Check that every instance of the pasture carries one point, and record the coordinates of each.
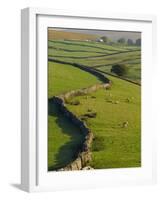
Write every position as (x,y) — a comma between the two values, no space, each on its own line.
(97,55)
(64,139)
(114,145)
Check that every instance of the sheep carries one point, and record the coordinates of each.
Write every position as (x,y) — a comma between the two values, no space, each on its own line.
(125,124)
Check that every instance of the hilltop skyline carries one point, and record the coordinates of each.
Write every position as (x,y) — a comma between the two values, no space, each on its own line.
(112,34)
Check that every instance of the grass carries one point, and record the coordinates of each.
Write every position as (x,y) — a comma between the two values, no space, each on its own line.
(114,146)
(56,52)
(64,139)
(93,44)
(63,78)
(99,55)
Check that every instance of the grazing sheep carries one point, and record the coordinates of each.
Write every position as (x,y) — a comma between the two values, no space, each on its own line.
(90,115)
(125,124)
(128,100)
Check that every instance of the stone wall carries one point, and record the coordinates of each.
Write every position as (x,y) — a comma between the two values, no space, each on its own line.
(91,70)
(84,155)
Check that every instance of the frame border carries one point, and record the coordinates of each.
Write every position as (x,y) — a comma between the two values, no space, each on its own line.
(29,173)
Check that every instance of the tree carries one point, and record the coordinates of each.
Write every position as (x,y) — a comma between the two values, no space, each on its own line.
(138,42)
(119,69)
(105,39)
(130,42)
(121,41)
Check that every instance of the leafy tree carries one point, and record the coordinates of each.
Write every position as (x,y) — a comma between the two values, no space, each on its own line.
(121,41)
(105,39)
(119,69)
(130,42)
(138,42)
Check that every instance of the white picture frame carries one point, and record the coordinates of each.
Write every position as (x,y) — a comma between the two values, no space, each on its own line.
(34,177)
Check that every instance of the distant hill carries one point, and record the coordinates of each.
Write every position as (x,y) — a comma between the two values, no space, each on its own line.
(58,34)
(80,34)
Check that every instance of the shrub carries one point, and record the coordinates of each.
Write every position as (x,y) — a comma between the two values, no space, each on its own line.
(119,69)
(130,42)
(121,41)
(138,42)
(105,39)
(98,144)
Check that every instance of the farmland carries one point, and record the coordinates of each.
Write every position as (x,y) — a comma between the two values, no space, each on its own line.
(99,56)
(114,146)
(63,137)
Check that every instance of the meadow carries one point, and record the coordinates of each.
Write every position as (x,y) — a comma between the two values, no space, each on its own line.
(114,145)
(64,139)
(98,55)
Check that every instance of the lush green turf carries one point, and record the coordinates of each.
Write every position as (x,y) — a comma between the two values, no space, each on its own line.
(114,146)
(64,139)
(56,52)
(86,44)
(63,78)
(105,59)
(100,55)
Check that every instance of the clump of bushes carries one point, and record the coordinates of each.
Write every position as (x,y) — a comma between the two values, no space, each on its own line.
(119,69)
(98,144)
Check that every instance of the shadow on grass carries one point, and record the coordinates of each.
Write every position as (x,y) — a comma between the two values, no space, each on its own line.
(68,152)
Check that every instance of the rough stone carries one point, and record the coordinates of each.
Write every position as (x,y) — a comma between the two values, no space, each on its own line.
(84,156)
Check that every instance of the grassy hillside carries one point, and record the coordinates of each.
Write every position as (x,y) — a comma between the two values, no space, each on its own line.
(114,146)
(98,55)
(64,139)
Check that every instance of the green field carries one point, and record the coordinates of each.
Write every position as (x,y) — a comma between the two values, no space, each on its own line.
(114,146)
(64,138)
(97,55)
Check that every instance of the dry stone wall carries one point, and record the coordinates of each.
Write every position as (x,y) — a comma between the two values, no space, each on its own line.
(91,70)
(84,155)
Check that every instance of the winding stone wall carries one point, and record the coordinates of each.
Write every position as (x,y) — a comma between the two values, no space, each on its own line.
(84,155)
(91,70)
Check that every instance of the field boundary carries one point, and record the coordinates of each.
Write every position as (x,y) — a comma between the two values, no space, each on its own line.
(92,70)
(84,154)
(125,79)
